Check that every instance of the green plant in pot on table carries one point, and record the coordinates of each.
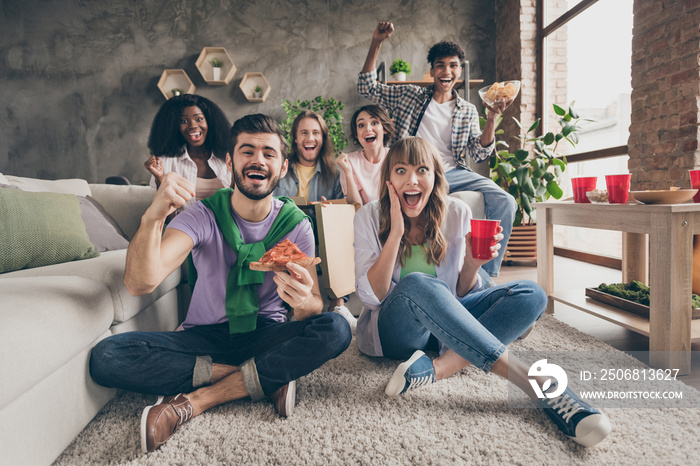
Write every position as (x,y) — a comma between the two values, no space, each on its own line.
(400,69)
(532,172)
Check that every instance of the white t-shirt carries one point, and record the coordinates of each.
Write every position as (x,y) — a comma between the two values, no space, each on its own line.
(436,127)
(366,174)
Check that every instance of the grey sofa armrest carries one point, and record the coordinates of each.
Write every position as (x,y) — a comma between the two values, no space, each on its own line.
(474,199)
(126,204)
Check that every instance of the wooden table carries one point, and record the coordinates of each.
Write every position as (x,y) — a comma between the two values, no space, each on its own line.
(666,231)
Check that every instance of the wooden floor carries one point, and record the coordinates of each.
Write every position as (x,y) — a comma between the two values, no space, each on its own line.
(572,274)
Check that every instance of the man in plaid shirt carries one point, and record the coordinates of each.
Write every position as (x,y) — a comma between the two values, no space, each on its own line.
(449,122)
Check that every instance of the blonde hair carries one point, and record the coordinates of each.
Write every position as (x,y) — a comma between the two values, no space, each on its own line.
(416,151)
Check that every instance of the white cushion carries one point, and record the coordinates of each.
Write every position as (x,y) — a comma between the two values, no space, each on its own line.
(3,180)
(44,323)
(108,269)
(125,203)
(68,186)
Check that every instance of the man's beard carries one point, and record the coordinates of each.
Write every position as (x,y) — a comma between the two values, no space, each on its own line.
(254,194)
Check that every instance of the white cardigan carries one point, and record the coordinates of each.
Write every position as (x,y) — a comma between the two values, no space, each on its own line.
(367,248)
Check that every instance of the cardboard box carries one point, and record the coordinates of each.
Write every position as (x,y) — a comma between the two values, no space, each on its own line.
(336,234)
(334,230)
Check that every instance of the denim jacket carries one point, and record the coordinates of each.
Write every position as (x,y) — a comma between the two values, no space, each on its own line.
(318,186)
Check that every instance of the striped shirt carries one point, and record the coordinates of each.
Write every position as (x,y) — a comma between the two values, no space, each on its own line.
(184,166)
(406,104)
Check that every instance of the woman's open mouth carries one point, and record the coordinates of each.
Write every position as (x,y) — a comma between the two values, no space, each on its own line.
(412,198)
(195,136)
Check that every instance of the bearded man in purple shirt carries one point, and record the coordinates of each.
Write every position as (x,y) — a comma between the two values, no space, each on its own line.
(237,340)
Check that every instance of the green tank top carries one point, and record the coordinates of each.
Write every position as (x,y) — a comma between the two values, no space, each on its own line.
(418,263)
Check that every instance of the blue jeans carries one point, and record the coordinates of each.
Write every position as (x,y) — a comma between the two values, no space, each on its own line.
(166,363)
(498,205)
(478,327)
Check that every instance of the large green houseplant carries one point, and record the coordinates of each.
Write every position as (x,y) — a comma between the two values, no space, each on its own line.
(329,109)
(532,172)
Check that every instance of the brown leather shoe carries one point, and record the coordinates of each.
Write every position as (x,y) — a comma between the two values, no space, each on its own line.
(284,398)
(164,399)
(160,421)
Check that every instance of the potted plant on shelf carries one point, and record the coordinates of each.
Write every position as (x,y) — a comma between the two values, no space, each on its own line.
(400,69)
(175,91)
(257,92)
(329,109)
(216,64)
(531,173)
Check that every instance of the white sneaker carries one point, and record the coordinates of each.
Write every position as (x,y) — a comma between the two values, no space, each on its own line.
(345,312)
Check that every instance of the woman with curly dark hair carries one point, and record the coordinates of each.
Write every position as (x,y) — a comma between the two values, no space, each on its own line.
(189,136)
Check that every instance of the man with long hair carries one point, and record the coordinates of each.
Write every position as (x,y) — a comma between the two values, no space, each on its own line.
(312,172)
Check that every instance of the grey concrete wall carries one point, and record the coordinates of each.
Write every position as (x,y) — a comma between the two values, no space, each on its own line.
(78,78)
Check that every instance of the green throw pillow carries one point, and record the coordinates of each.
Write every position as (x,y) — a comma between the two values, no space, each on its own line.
(39,229)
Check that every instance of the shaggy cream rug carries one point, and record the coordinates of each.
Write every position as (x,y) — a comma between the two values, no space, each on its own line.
(343,417)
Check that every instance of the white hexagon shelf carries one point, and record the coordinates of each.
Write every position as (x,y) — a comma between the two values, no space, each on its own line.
(227,69)
(173,80)
(251,82)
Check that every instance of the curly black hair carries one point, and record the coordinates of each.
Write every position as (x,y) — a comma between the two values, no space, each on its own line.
(446,48)
(165,139)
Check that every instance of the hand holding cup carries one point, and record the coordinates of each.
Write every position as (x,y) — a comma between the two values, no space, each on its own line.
(484,238)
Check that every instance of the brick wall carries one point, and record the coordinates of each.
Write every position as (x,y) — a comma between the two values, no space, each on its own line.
(509,64)
(516,58)
(663,142)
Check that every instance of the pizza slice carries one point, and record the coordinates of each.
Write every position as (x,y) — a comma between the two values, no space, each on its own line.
(275,260)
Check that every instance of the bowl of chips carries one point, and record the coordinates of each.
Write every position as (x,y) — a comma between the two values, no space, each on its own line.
(499,92)
(598,196)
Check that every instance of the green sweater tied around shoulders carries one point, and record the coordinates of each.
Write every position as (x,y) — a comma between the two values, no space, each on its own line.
(242,285)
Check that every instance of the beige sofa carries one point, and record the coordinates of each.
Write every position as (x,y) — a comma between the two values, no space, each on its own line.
(51,317)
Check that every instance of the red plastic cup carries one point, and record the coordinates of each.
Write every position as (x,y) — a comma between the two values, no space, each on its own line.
(483,232)
(582,185)
(695,184)
(618,188)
